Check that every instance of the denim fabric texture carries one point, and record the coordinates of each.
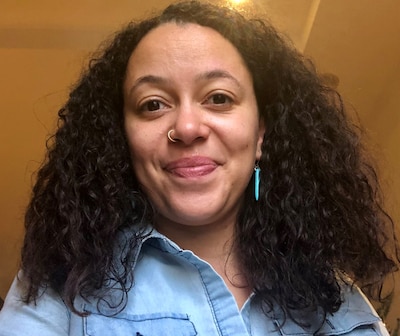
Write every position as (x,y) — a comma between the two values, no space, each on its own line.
(175,293)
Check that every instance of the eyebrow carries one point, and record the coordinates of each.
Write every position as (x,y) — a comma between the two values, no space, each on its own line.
(215,74)
(148,79)
(208,75)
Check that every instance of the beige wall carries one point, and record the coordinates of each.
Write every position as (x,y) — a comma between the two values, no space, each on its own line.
(34,82)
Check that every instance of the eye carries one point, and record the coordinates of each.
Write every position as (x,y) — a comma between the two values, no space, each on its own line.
(219,100)
(151,106)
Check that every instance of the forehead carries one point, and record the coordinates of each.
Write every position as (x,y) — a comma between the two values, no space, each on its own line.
(172,32)
(173,45)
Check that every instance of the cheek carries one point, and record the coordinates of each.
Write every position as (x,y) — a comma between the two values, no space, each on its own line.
(252,137)
(144,145)
(139,156)
(135,146)
(141,165)
(134,135)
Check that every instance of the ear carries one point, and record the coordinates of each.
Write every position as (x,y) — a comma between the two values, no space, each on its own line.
(261,132)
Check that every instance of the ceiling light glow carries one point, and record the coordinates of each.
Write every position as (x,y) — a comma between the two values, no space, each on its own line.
(240,5)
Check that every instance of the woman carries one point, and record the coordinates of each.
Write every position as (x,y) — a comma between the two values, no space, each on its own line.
(202,182)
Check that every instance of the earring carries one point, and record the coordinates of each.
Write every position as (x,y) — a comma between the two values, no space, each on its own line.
(170,138)
(257,171)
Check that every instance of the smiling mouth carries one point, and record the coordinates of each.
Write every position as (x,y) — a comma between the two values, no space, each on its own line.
(191,167)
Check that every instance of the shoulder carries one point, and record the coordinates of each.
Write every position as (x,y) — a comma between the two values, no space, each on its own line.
(356,315)
(48,316)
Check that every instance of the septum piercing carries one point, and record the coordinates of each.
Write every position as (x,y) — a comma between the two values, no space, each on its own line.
(170,138)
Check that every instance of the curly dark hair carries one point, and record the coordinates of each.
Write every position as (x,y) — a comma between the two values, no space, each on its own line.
(319,217)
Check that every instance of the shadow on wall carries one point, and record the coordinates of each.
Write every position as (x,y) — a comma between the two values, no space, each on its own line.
(383,312)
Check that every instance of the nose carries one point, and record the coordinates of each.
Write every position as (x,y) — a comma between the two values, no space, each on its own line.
(190,124)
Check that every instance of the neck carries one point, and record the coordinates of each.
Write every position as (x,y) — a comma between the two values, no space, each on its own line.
(210,241)
(215,245)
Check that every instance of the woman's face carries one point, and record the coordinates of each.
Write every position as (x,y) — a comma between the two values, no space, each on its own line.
(190,79)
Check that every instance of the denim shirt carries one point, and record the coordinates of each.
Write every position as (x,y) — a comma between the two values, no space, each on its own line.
(175,293)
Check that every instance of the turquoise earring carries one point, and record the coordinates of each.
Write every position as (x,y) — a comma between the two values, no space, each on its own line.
(257,182)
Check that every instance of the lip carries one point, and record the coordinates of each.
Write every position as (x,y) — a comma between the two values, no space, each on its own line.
(191,167)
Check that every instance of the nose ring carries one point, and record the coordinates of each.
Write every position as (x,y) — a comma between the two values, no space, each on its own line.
(170,138)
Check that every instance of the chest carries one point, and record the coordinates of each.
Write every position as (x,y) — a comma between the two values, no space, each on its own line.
(181,296)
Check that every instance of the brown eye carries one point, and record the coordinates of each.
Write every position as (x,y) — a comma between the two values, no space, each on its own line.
(152,105)
(220,99)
